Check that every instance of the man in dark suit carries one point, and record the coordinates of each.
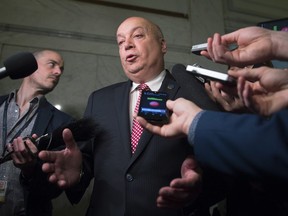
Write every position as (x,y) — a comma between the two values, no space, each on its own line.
(25,112)
(156,178)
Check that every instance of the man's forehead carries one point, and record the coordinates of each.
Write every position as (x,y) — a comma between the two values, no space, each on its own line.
(52,58)
(133,24)
(131,30)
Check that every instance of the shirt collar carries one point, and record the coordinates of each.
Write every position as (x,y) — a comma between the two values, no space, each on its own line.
(35,100)
(154,84)
(12,96)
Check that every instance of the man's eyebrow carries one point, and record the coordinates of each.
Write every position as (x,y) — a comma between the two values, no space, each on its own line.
(53,61)
(119,36)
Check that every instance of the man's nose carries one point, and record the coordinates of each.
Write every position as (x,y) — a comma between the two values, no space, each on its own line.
(128,44)
(58,70)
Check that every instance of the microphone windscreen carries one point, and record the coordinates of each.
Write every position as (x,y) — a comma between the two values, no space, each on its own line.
(20,65)
(82,130)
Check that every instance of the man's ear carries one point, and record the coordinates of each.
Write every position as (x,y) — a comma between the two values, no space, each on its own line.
(163,45)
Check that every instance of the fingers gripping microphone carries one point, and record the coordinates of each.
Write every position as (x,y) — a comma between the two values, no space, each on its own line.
(19,66)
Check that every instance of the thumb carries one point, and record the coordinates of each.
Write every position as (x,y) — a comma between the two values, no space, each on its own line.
(189,164)
(68,138)
(51,156)
(171,103)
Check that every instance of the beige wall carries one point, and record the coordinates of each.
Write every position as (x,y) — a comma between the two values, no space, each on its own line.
(84,33)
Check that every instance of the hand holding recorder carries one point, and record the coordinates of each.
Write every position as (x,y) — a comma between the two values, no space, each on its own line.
(255,45)
(183,113)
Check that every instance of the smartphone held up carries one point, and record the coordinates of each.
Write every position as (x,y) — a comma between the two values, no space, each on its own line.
(153,107)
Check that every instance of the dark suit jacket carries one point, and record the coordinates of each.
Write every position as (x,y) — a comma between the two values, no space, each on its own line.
(254,146)
(251,153)
(38,192)
(126,184)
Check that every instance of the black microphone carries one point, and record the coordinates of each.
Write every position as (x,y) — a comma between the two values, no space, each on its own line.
(19,66)
(82,130)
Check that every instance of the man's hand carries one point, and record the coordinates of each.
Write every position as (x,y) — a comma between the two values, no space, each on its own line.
(183,113)
(226,96)
(63,167)
(263,90)
(24,155)
(182,191)
(255,45)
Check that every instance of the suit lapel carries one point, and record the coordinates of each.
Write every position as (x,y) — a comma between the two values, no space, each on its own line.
(121,98)
(170,86)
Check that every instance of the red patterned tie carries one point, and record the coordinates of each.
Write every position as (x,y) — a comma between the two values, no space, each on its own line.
(136,127)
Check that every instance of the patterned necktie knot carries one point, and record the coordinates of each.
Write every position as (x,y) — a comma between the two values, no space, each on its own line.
(136,127)
(143,86)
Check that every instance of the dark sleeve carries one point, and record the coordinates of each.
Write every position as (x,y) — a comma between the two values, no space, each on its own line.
(75,193)
(243,145)
(38,192)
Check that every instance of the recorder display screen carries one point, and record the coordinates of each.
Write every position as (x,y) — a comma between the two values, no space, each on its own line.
(153,106)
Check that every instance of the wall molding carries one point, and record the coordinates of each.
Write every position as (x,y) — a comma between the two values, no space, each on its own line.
(5,27)
(138,8)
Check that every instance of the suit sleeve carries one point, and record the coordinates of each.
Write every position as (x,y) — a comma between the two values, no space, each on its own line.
(75,193)
(243,145)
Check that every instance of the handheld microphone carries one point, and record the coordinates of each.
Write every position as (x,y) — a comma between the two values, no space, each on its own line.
(19,66)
